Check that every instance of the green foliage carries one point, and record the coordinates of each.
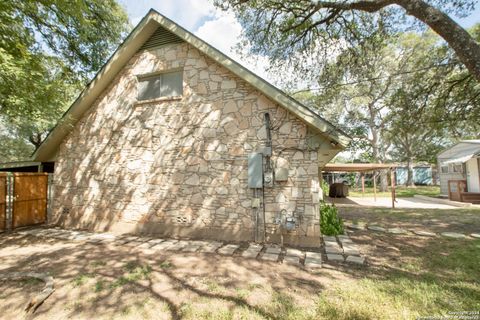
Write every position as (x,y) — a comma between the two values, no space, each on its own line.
(48,49)
(325,188)
(330,223)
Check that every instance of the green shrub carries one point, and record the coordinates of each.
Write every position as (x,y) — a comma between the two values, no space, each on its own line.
(330,223)
(325,188)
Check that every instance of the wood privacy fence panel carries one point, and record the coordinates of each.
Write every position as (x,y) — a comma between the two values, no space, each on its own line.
(3,201)
(30,199)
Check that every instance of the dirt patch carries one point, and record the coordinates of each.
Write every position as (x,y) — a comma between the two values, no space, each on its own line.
(105,281)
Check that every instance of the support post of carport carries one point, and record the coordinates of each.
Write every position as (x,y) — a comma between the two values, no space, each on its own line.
(392,182)
(375,186)
(363,184)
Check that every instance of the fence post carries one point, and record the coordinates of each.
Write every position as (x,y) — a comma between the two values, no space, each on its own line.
(49,198)
(9,204)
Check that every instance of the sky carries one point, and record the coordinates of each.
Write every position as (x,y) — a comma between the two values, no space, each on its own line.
(216,27)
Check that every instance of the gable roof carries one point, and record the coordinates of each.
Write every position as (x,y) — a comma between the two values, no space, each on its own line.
(460,152)
(134,42)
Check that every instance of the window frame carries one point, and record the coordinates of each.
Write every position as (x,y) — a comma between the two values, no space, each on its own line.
(159,74)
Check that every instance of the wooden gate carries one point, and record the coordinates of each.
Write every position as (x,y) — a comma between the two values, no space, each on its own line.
(30,199)
(3,201)
(455,189)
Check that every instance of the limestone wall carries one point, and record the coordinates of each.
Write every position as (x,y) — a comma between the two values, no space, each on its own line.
(178,166)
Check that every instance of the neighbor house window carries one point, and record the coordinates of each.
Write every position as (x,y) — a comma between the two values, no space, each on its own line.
(457,168)
(444,169)
(169,84)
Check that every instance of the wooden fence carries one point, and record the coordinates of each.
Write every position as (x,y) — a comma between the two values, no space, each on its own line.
(23,199)
(3,201)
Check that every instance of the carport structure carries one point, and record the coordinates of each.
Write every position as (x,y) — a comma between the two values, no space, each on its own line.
(363,168)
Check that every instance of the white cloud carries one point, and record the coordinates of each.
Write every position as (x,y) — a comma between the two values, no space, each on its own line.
(187,13)
(216,27)
(224,33)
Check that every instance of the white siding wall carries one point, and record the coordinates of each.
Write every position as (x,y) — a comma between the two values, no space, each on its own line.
(473,176)
(444,177)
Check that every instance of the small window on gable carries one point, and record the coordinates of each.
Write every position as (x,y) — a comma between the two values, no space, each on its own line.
(168,84)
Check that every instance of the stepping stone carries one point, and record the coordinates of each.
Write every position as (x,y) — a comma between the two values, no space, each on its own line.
(103,236)
(475,235)
(313,255)
(346,241)
(424,233)
(83,238)
(126,239)
(269,256)
(357,260)
(291,260)
(274,250)
(165,245)
(334,257)
(252,251)
(50,232)
(376,228)
(329,239)
(356,227)
(453,235)
(343,239)
(397,231)
(33,232)
(95,241)
(44,232)
(192,247)
(146,245)
(250,254)
(66,236)
(330,243)
(313,263)
(178,246)
(228,250)
(122,241)
(156,241)
(332,249)
(255,246)
(351,250)
(294,253)
(210,247)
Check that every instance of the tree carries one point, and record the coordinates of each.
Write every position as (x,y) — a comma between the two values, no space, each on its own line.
(280,27)
(430,104)
(48,50)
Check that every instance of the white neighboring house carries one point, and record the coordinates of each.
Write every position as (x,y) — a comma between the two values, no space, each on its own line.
(460,162)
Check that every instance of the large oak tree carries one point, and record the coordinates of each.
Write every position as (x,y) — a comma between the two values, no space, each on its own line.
(281,27)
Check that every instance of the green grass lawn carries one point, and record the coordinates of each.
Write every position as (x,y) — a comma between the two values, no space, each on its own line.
(401,191)
(443,279)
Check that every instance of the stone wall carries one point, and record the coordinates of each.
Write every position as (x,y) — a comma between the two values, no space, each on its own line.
(178,166)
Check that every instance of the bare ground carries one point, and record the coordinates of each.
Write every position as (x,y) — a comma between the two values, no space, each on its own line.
(406,276)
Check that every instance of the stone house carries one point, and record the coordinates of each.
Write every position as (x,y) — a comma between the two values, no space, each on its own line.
(174,138)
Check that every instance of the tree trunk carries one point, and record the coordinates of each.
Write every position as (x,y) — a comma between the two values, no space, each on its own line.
(466,48)
(410,182)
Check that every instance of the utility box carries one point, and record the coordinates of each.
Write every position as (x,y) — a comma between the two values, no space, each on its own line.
(255,170)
